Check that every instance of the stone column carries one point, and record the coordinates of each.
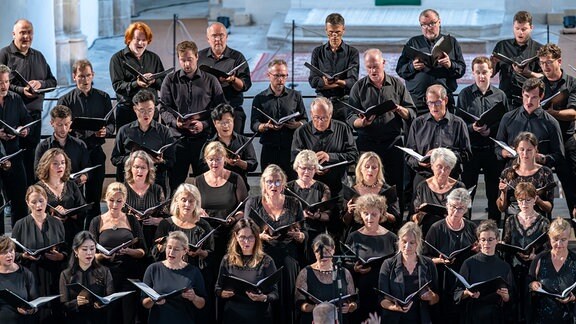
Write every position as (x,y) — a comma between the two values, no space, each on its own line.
(105,18)
(122,18)
(72,25)
(62,45)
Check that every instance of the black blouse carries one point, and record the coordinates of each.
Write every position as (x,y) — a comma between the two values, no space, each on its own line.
(22,283)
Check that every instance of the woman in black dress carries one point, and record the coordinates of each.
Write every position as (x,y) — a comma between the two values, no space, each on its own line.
(554,271)
(435,189)
(110,230)
(169,275)
(374,240)
(53,172)
(370,180)
(17,279)
(311,191)
(448,235)
(285,247)
(405,274)
(39,230)
(246,260)
(85,270)
(143,193)
(521,230)
(525,169)
(317,279)
(484,266)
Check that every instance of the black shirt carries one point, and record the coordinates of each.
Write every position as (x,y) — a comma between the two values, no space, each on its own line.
(426,134)
(248,154)
(32,66)
(337,141)
(418,81)
(230,59)
(510,81)
(541,124)
(74,148)
(95,105)
(14,113)
(154,138)
(186,94)
(289,102)
(124,81)
(386,127)
(473,101)
(333,62)
(565,83)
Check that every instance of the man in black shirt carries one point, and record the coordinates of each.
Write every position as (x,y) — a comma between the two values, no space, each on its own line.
(127,83)
(563,108)
(13,112)
(277,101)
(332,140)
(381,133)
(32,65)
(144,133)
(438,128)
(223,58)
(61,120)
(189,90)
(477,99)
(333,57)
(86,101)
(519,48)
(449,68)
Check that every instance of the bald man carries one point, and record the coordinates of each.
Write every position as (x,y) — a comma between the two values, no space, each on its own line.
(20,56)
(380,133)
(224,58)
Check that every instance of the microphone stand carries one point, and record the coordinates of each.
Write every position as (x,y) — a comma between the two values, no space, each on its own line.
(338,277)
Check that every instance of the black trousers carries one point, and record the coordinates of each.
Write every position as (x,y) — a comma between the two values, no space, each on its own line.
(485,159)
(15,185)
(187,154)
(29,143)
(279,156)
(566,172)
(95,183)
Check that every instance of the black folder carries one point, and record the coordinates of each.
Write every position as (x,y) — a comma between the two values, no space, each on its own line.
(92,297)
(511,61)
(274,231)
(315,300)
(404,302)
(334,76)
(153,294)
(219,73)
(483,287)
(16,301)
(71,211)
(239,285)
(150,212)
(314,207)
(370,261)
(35,252)
(524,250)
(489,117)
(444,44)
(453,255)
(433,209)
(375,110)
(107,252)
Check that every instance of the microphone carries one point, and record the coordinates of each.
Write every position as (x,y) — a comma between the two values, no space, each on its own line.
(320,250)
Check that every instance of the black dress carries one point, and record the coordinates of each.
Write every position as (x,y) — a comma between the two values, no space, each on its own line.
(176,309)
(152,197)
(321,285)
(517,235)
(541,178)
(379,245)
(395,279)
(22,283)
(448,241)
(317,192)
(98,279)
(122,267)
(425,195)
(239,309)
(548,309)
(71,197)
(284,251)
(488,308)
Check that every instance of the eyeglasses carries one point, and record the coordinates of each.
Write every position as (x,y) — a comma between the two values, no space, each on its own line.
(139,167)
(525,200)
(84,76)
(436,103)
(224,122)
(271,183)
(460,209)
(321,118)
(243,238)
(306,168)
(279,76)
(489,240)
(547,63)
(429,25)
(145,111)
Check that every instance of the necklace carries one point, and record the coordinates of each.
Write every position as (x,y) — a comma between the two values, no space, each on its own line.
(460,227)
(374,185)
